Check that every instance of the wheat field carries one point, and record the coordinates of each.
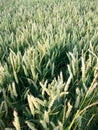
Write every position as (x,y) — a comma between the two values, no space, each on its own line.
(48,65)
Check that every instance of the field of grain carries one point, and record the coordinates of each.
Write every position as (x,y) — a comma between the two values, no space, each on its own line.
(48,64)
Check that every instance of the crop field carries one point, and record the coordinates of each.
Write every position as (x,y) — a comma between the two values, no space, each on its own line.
(48,65)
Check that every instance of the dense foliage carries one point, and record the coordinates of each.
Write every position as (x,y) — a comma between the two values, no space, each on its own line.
(48,64)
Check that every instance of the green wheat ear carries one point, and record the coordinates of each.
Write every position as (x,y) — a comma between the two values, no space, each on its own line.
(30,125)
(16,121)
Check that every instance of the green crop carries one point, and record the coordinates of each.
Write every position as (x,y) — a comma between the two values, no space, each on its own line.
(48,64)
